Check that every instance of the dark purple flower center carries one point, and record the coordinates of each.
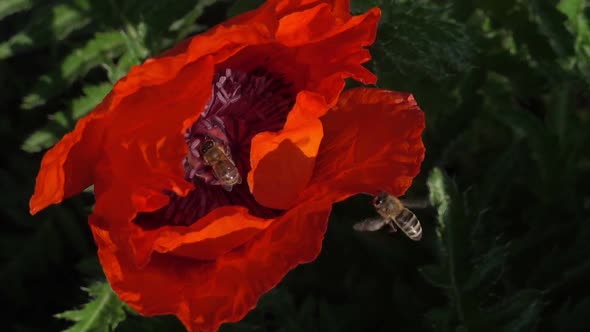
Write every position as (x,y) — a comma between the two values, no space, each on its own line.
(241,106)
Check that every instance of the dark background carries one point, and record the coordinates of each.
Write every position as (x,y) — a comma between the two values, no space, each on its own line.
(505,88)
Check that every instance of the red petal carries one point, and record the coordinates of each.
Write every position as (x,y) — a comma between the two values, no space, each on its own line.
(331,49)
(68,167)
(339,53)
(273,9)
(341,8)
(217,233)
(205,294)
(314,44)
(282,163)
(145,149)
(138,152)
(372,141)
(144,145)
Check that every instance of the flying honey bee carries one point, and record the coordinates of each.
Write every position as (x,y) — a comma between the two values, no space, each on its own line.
(224,169)
(392,213)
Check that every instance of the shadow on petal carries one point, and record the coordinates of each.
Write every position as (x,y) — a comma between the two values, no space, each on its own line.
(281,175)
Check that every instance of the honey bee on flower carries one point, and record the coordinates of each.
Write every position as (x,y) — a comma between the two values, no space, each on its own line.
(216,164)
(223,169)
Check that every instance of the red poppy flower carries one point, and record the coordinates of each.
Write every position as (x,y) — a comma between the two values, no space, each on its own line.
(215,165)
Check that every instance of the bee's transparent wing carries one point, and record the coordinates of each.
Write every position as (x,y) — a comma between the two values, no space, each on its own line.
(370,225)
(415,203)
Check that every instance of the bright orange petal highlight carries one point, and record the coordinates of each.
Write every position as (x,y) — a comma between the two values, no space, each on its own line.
(282,163)
(217,233)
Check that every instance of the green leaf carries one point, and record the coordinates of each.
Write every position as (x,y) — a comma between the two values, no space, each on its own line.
(9,7)
(578,22)
(33,255)
(102,314)
(330,319)
(116,71)
(543,146)
(550,22)
(40,140)
(90,266)
(519,312)
(186,24)
(37,247)
(436,276)
(454,241)
(102,48)
(559,117)
(487,269)
(502,167)
(44,138)
(135,40)
(136,323)
(93,94)
(453,224)
(572,317)
(48,24)
(63,122)
(240,7)
(417,40)
(439,319)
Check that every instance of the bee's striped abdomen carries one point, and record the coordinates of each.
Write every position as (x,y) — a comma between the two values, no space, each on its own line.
(409,224)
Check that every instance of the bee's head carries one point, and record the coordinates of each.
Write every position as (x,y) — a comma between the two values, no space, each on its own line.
(379,199)
(206,146)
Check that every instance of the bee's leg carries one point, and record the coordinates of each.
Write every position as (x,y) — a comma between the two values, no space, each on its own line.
(392,228)
(206,175)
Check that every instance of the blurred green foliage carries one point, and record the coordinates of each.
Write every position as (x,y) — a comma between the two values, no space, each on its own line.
(505,88)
